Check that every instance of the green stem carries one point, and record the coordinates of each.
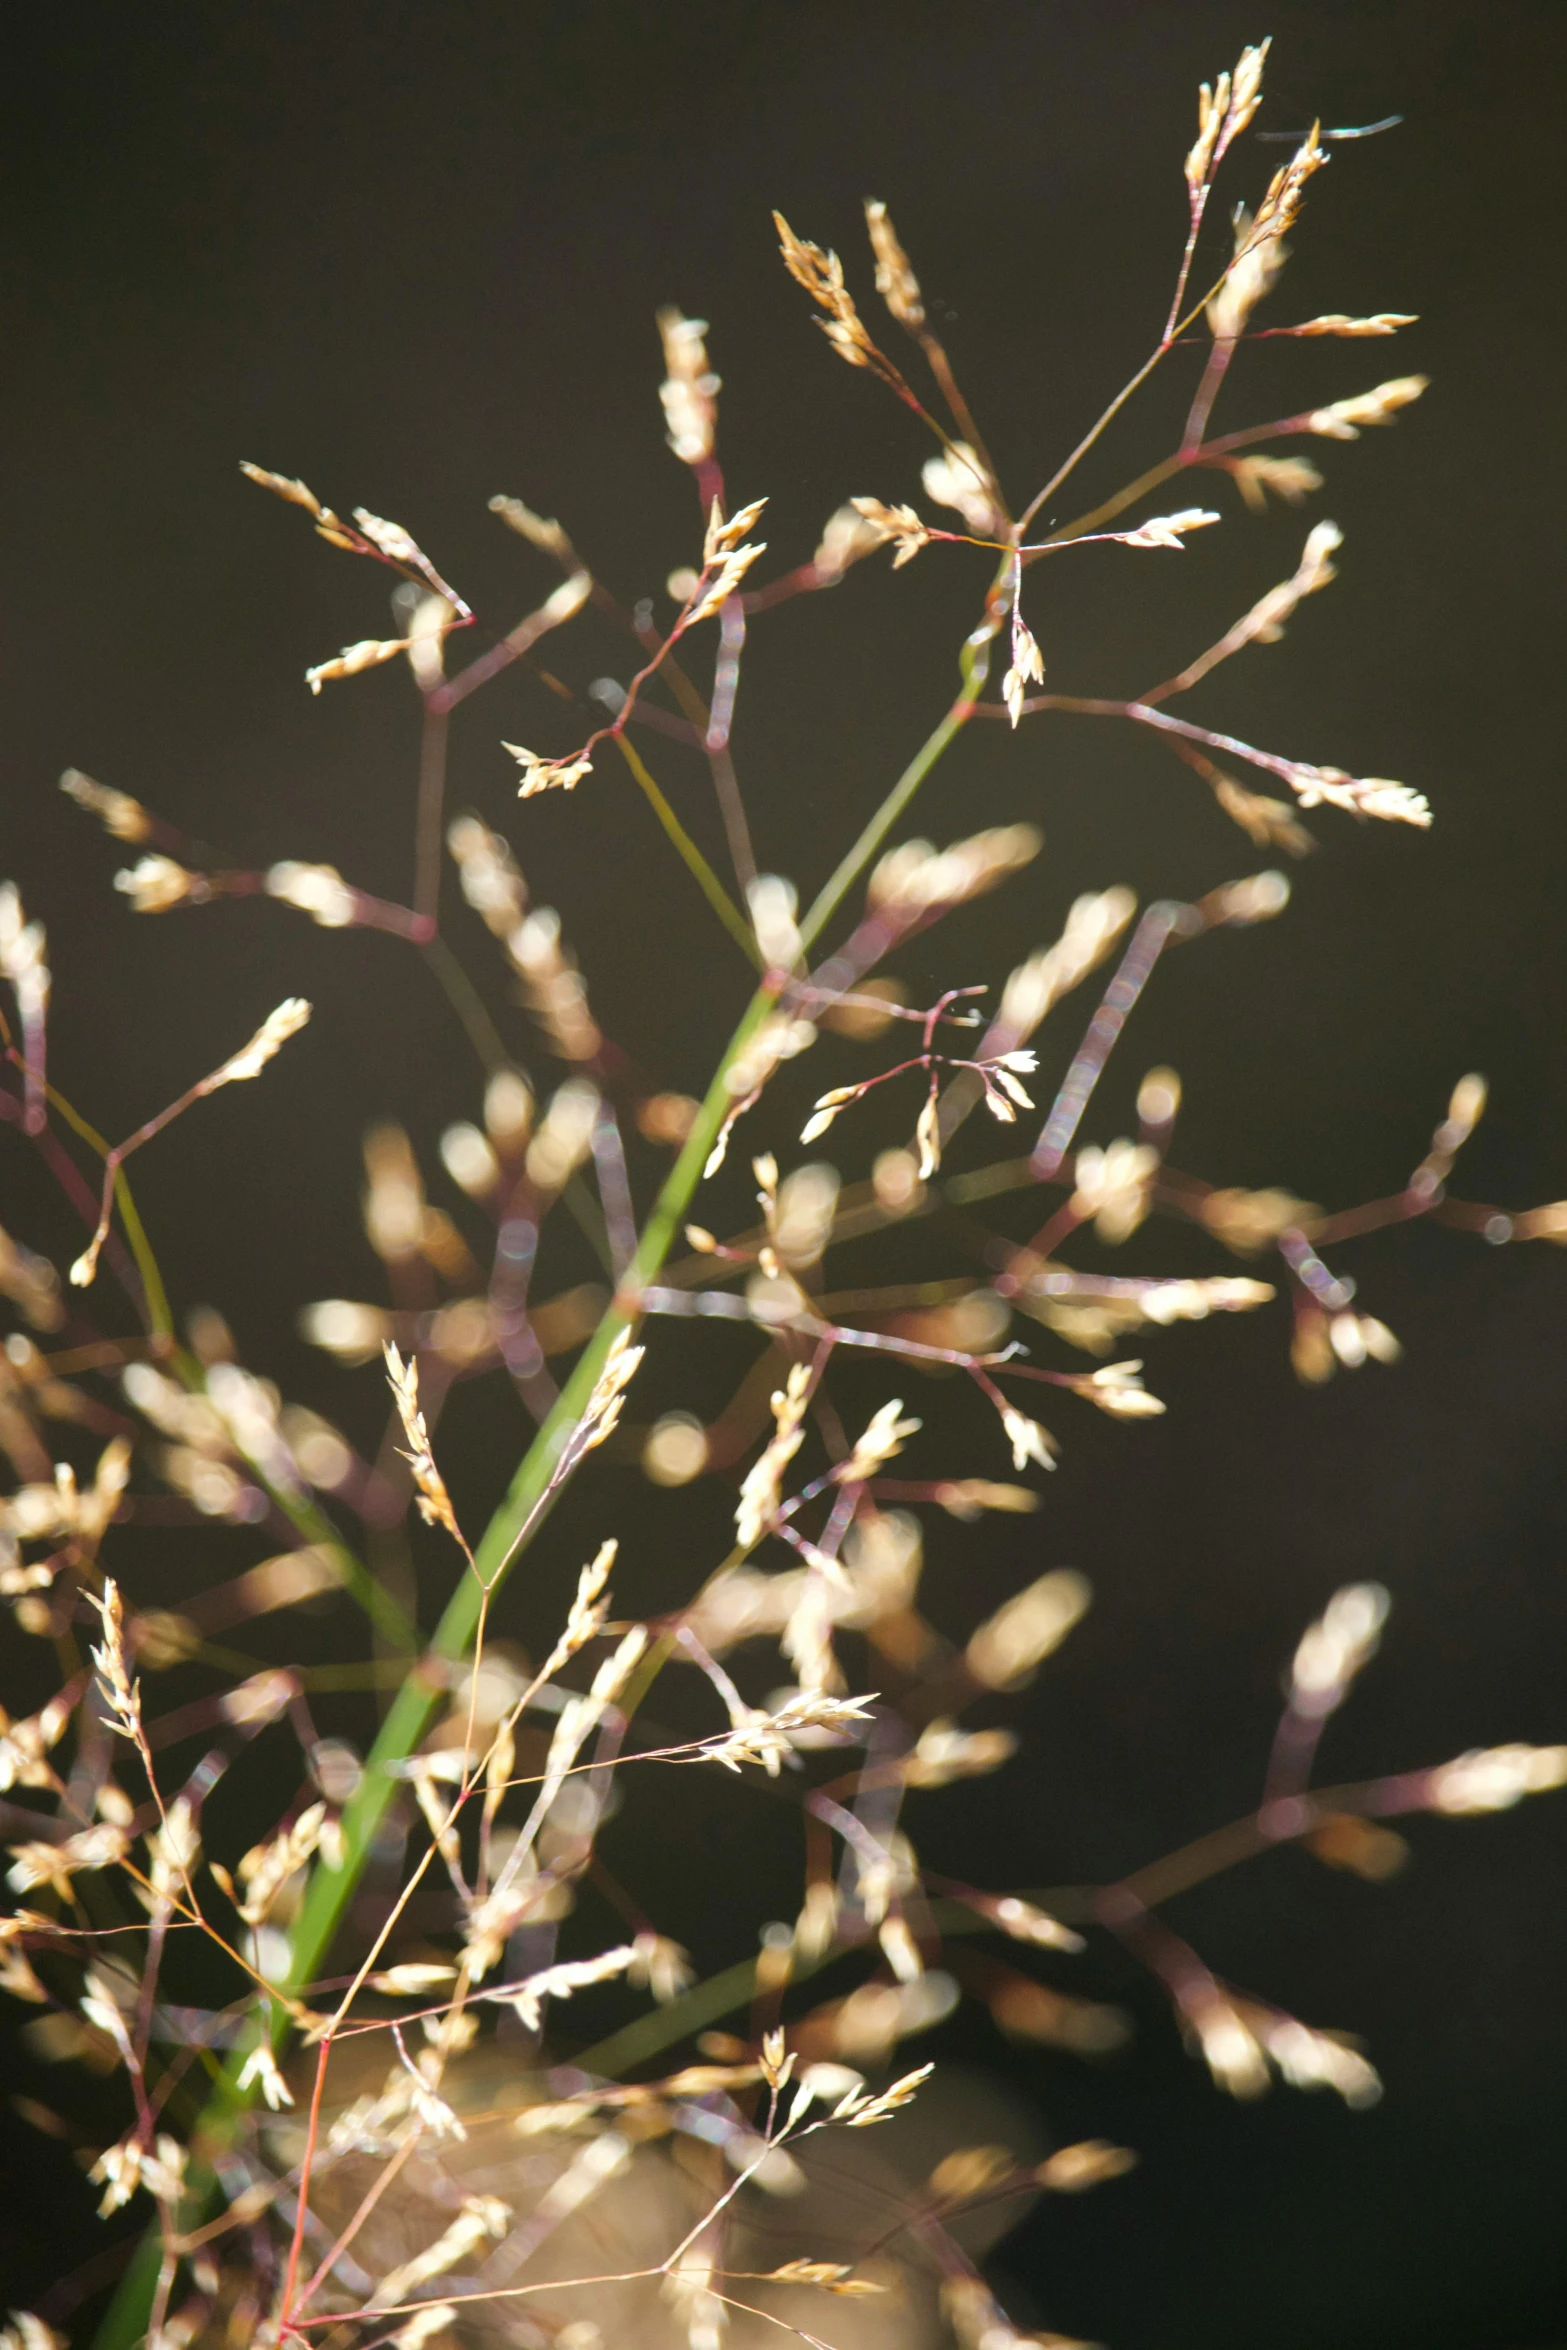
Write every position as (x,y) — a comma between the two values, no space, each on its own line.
(975,664)
(301,1513)
(706,879)
(331,1889)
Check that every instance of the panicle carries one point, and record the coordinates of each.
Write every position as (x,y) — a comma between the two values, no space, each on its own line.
(862,2113)
(1268,823)
(927,1144)
(565,1134)
(553,987)
(846,537)
(957,477)
(895,279)
(1249,1221)
(769,1738)
(917,880)
(725,561)
(898,526)
(1223,112)
(540,531)
(801,1221)
(1277,212)
(285,486)
(1494,1778)
(690,389)
(435,1503)
(22,956)
(480,2218)
(773,903)
(1114,1187)
(488,872)
(943,1753)
(155,883)
(1090,2163)
(261,2068)
(1250,278)
(1357,795)
(270,1037)
(821,274)
(1338,322)
(1166,530)
(266,1868)
(541,774)
(759,1493)
(1118,1390)
(1009,1646)
(23,2331)
(369,653)
(317,890)
(559,1982)
(604,1404)
(1289,478)
(882,1442)
(1343,420)
(1027,666)
(1029,1441)
(1334,1650)
(121,1694)
(121,816)
(1094,923)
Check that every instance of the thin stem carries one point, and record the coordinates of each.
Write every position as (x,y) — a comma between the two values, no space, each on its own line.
(523,1510)
(726,685)
(976,663)
(706,879)
(468,1004)
(432,802)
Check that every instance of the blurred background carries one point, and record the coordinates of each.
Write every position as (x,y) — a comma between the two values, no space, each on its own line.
(413,254)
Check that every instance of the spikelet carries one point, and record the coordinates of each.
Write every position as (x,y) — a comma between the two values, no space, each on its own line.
(539,530)
(435,1503)
(895,279)
(1252,274)
(1335,1649)
(821,274)
(881,1442)
(1166,530)
(1290,478)
(1223,112)
(759,1494)
(269,1039)
(317,890)
(1011,1644)
(541,774)
(369,653)
(1344,420)
(1337,322)
(898,526)
(1268,823)
(690,389)
(1281,205)
(604,1404)
(121,1694)
(155,883)
(1114,1188)
(480,2218)
(1494,1778)
(1118,1390)
(121,817)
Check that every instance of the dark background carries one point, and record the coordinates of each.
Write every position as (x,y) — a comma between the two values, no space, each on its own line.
(413,254)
